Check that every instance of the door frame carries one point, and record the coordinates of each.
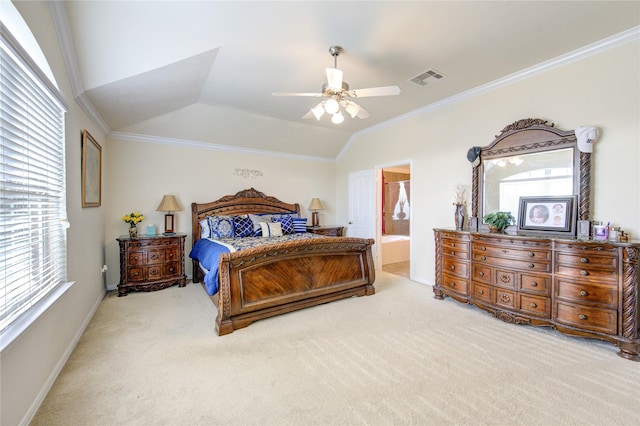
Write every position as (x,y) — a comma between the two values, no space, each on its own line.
(378,173)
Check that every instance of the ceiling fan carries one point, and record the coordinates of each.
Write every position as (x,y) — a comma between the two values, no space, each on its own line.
(337,94)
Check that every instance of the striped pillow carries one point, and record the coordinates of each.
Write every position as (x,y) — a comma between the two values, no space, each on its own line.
(300,224)
(273,229)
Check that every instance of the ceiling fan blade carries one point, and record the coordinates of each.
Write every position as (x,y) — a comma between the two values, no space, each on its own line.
(315,95)
(377,91)
(334,78)
(354,109)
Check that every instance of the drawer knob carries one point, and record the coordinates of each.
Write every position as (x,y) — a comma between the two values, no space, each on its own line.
(483,249)
(532,254)
(583,272)
(481,273)
(483,258)
(452,284)
(584,260)
(170,254)
(453,253)
(135,274)
(533,284)
(453,244)
(453,268)
(480,291)
(154,272)
(533,305)
(583,293)
(532,265)
(582,316)
(170,269)
(505,278)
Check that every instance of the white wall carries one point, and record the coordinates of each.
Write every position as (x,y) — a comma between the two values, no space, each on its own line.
(140,173)
(600,90)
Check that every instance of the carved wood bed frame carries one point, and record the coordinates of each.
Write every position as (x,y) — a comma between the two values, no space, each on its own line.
(266,281)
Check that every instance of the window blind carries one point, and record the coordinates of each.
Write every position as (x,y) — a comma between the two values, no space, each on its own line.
(33,241)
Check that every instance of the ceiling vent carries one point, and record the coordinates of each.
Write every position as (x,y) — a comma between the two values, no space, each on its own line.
(430,76)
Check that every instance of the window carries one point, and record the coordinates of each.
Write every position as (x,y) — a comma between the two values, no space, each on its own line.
(33,241)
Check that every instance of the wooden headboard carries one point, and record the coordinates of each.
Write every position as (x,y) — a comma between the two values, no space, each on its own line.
(243,202)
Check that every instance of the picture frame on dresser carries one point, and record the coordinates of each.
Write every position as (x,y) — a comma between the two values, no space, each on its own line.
(548,215)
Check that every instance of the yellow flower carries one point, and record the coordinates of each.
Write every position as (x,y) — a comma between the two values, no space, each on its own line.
(133,218)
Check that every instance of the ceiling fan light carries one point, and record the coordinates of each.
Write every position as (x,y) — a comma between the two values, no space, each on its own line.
(331,106)
(337,118)
(318,111)
(352,109)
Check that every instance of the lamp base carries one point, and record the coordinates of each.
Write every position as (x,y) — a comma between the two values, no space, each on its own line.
(315,220)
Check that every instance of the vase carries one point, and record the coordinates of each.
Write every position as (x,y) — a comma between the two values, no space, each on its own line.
(133,232)
(459,217)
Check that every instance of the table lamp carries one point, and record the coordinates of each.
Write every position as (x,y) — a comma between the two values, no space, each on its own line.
(169,204)
(314,207)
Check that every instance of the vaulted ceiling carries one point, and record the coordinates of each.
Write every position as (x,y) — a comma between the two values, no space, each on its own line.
(204,71)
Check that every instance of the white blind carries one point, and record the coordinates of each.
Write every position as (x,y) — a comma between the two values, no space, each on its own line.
(33,242)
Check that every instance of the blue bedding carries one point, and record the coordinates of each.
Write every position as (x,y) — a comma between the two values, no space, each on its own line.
(208,251)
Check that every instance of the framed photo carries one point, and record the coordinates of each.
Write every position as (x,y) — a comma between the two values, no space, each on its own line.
(91,171)
(555,215)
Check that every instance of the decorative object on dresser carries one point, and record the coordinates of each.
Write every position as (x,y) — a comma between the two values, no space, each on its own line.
(583,288)
(499,221)
(331,231)
(556,215)
(133,219)
(460,203)
(169,204)
(315,206)
(151,263)
(286,274)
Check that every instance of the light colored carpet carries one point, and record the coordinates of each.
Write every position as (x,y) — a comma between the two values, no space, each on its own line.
(397,357)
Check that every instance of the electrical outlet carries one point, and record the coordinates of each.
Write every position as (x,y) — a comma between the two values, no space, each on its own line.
(104,269)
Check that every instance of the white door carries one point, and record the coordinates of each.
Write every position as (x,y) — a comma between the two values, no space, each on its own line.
(362,205)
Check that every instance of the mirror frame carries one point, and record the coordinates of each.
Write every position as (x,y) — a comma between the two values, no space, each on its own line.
(527,136)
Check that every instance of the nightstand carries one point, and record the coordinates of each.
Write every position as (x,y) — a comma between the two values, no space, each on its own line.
(332,231)
(150,263)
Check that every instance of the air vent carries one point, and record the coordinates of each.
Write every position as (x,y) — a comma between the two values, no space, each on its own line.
(428,77)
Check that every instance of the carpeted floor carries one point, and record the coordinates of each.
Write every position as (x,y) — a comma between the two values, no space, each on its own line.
(397,357)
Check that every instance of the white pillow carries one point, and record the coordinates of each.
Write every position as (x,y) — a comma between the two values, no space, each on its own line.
(271,229)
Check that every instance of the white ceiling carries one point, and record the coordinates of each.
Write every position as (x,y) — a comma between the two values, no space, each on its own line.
(204,71)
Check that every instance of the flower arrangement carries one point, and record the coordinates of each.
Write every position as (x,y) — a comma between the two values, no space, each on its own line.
(133,219)
(460,195)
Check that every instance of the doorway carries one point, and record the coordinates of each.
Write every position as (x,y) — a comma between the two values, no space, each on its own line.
(394,213)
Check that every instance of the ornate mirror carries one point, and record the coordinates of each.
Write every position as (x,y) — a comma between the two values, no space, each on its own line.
(529,158)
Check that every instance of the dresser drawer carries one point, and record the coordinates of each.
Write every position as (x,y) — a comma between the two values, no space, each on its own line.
(587,272)
(482,292)
(455,248)
(455,284)
(576,291)
(534,305)
(511,263)
(135,274)
(455,267)
(171,269)
(136,258)
(155,256)
(586,317)
(171,254)
(505,298)
(539,284)
(505,279)
(508,252)
(482,273)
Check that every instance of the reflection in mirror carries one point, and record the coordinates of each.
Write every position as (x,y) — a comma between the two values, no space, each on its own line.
(506,179)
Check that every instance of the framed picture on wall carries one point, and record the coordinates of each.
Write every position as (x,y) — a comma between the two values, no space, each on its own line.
(91,171)
(555,215)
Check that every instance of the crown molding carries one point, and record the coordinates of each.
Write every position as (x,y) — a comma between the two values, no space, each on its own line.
(616,40)
(135,137)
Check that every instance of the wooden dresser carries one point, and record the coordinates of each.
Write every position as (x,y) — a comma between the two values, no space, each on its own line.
(581,287)
(149,263)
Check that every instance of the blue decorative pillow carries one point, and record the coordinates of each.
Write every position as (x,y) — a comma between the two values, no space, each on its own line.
(286,222)
(221,227)
(300,224)
(242,226)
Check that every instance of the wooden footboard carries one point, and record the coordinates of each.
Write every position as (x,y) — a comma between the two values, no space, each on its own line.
(267,281)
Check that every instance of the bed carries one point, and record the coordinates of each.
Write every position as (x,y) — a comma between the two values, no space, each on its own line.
(283,276)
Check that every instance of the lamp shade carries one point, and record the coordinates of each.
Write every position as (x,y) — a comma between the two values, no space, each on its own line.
(169,204)
(315,204)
